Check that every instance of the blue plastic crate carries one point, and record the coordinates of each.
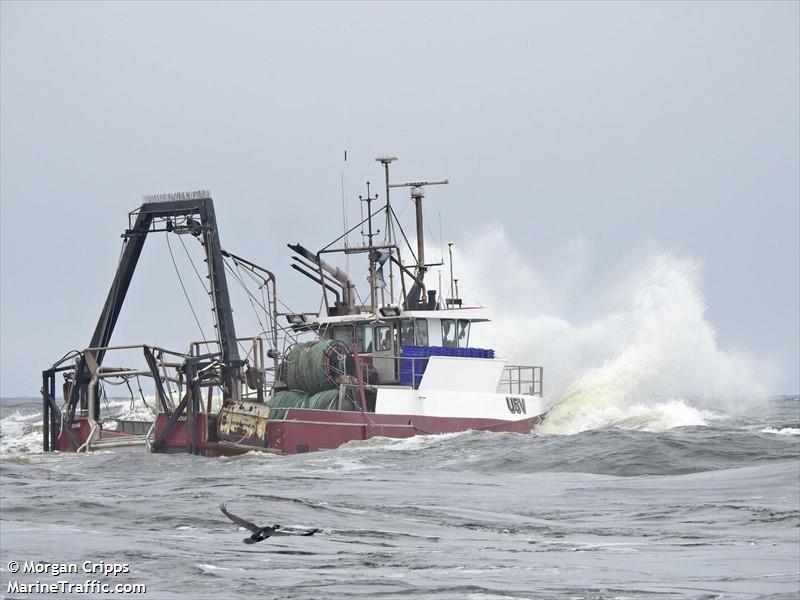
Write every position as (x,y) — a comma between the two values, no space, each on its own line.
(413,361)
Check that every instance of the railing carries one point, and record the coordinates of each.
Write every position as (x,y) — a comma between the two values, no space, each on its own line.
(411,369)
(521,380)
(516,379)
(165,374)
(413,360)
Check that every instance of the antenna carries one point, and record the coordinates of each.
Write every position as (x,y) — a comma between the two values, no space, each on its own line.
(386,161)
(450,250)
(344,213)
(370,235)
(417,194)
(369,200)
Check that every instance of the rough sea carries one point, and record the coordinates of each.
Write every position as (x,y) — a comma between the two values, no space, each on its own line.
(661,500)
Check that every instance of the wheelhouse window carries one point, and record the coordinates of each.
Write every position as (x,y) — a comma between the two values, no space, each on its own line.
(463,333)
(422,332)
(383,338)
(406,332)
(344,333)
(448,333)
(364,338)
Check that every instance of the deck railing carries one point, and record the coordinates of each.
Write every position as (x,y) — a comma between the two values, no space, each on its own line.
(519,379)
(516,379)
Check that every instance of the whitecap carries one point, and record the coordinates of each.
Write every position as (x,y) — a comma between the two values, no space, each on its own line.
(782,431)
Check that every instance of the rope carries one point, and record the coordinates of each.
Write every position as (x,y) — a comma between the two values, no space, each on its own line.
(236,277)
(199,277)
(178,273)
(104,396)
(141,393)
(128,383)
(250,297)
(286,330)
(264,304)
(410,249)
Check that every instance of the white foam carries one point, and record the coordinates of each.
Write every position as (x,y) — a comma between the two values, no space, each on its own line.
(782,431)
(210,567)
(21,433)
(125,410)
(416,442)
(658,416)
(647,340)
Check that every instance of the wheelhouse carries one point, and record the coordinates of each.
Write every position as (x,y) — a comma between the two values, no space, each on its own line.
(370,334)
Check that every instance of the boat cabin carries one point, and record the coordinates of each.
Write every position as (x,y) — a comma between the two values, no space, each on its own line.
(383,339)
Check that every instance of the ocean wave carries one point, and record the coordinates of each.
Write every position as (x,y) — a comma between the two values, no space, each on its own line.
(782,430)
(573,416)
(21,433)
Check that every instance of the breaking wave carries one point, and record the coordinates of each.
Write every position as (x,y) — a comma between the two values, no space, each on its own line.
(647,358)
(573,416)
(21,433)
(782,430)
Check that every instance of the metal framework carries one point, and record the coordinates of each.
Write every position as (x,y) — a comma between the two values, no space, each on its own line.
(191,213)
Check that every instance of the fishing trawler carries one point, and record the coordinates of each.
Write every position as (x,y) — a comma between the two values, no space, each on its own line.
(399,364)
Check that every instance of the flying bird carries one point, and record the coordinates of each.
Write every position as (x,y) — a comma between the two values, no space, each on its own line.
(262,533)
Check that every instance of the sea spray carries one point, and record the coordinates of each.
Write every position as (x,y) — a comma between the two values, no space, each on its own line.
(651,351)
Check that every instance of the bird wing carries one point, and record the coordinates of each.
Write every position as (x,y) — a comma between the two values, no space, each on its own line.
(295,531)
(239,521)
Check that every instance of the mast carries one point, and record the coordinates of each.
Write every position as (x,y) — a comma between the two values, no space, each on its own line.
(372,283)
(386,161)
(417,194)
(414,301)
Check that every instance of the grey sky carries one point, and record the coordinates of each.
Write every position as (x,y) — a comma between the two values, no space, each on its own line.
(613,127)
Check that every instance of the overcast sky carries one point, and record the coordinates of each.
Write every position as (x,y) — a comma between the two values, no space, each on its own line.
(595,129)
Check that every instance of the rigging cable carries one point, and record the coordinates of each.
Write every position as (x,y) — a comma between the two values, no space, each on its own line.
(202,283)
(128,383)
(141,393)
(103,395)
(410,249)
(180,279)
(286,330)
(186,250)
(250,297)
(235,276)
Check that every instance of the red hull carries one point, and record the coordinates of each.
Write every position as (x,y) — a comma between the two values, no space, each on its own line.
(305,430)
(81,429)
